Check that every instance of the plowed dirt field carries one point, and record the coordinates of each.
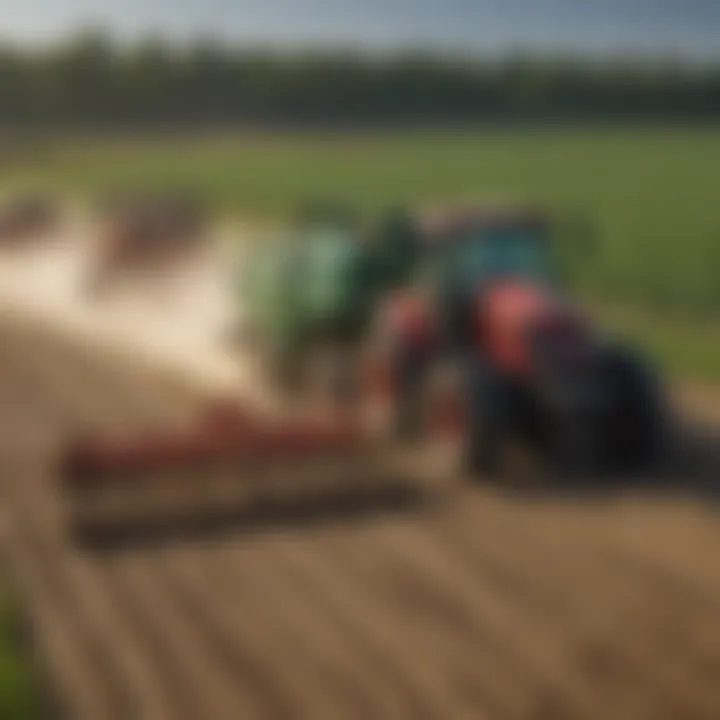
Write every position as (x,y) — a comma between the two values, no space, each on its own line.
(484,605)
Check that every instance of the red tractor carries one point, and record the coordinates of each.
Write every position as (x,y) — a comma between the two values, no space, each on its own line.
(530,378)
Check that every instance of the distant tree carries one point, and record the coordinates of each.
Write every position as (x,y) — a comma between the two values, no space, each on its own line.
(90,79)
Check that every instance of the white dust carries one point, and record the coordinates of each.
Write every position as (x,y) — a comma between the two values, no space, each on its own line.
(180,322)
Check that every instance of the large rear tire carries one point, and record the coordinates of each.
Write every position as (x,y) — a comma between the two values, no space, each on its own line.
(484,431)
(503,438)
(636,427)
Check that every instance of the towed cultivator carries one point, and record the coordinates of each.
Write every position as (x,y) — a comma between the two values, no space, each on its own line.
(234,467)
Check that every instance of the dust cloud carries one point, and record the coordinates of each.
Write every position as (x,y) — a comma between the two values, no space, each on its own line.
(179,321)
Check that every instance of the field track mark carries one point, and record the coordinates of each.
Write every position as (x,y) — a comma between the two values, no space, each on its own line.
(86,600)
(607,609)
(110,643)
(305,638)
(381,632)
(475,678)
(74,682)
(252,639)
(210,690)
(72,584)
(465,604)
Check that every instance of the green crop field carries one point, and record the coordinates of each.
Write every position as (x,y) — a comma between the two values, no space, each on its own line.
(653,193)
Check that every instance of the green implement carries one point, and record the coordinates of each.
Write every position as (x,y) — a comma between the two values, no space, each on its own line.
(319,285)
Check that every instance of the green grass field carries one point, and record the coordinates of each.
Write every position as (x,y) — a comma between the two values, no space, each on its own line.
(20,693)
(653,193)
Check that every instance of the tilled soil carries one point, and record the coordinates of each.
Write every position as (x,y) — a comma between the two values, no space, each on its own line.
(485,605)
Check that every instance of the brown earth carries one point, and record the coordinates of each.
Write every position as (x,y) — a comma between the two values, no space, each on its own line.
(483,606)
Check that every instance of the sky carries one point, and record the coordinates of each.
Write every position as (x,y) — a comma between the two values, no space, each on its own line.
(685,27)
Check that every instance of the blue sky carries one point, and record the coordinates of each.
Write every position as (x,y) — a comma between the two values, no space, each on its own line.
(685,26)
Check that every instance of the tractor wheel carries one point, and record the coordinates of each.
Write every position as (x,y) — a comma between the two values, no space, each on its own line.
(501,438)
(487,418)
(635,429)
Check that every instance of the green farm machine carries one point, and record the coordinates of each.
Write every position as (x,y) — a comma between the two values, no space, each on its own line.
(312,294)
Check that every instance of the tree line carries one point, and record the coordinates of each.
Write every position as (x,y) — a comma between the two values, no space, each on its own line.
(91,79)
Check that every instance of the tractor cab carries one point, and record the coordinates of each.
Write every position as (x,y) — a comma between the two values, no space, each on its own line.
(465,250)
(468,253)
